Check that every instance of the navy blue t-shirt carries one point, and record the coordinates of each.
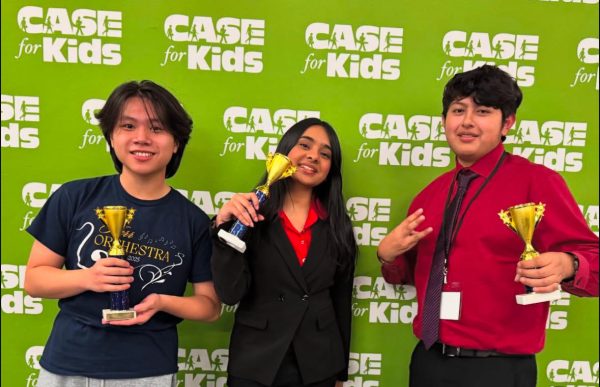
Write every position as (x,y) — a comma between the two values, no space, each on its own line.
(167,243)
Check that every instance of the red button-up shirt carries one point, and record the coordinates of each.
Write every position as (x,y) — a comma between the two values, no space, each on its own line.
(483,259)
(300,239)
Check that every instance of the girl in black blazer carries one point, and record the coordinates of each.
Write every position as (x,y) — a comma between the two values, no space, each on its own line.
(294,281)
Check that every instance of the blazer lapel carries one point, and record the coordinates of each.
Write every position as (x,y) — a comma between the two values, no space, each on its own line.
(288,254)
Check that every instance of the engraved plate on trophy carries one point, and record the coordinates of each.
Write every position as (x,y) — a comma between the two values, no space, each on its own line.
(523,219)
(279,167)
(116,218)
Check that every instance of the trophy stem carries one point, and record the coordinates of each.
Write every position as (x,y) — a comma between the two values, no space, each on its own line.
(119,303)
(529,252)
(116,250)
(234,237)
(239,229)
(264,189)
(119,300)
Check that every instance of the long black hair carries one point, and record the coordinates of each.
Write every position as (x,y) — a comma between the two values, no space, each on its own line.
(168,109)
(329,192)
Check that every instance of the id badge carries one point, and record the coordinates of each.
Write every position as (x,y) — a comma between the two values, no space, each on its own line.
(450,306)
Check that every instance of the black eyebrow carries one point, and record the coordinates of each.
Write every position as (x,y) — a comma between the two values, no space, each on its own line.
(152,120)
(313,140)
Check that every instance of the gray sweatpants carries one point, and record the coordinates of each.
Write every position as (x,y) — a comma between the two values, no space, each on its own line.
(48,379)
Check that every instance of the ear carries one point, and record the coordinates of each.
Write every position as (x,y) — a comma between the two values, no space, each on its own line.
(443,123)
(507,124)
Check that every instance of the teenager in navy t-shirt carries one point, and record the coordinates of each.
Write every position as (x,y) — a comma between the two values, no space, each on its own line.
(167,244)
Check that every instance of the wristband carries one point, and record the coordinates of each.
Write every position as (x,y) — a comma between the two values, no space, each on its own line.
(575,264)
(383,261)
(575,268)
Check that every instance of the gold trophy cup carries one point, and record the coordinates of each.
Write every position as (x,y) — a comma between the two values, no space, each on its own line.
(279,166)
(523,219)
(115,218)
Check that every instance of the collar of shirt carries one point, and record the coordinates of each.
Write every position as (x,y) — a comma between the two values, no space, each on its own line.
(485,165)
(300,239)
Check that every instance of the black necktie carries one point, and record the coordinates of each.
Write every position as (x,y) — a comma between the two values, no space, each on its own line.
(431,308)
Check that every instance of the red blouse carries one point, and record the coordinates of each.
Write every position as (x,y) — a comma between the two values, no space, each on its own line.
(300,239)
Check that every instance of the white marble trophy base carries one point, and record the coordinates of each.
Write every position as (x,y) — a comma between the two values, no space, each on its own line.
(534,298)
(232,240)
(116,315)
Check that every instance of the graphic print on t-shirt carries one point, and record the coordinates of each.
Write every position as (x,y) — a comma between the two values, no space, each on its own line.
(153,258)
(96,254)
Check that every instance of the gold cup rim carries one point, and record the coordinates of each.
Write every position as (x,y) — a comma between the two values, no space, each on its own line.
(281,155)
(114,208)
(522,205)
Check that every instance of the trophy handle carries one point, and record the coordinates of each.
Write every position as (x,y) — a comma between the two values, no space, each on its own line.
(540,208)
(506,219)
(270,157)
(288,172)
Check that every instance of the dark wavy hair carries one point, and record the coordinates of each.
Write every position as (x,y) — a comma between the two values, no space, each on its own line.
(488,86)
(329,192)
(168,109)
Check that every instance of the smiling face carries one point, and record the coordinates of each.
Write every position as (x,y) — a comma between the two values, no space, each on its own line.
(141,142)
(474,130)
(312,156)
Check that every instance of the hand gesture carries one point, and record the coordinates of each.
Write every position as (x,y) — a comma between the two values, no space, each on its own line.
(403,237)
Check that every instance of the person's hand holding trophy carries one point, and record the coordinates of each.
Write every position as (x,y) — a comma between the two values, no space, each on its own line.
(279,167)
(116,218)
(523,219)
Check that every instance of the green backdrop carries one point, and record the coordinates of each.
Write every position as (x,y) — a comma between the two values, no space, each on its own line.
(245,71)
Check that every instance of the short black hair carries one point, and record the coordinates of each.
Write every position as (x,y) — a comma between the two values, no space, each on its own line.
(488,86)
(168,109)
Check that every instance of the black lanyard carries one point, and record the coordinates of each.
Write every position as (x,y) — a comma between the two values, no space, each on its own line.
(449,241)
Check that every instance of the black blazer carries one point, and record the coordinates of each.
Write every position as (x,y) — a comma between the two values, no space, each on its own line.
(283,304)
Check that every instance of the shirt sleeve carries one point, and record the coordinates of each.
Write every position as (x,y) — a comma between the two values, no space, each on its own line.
(401,270)
(231,274)
(202,249)
(51,226)
(563,228)
(341,293)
